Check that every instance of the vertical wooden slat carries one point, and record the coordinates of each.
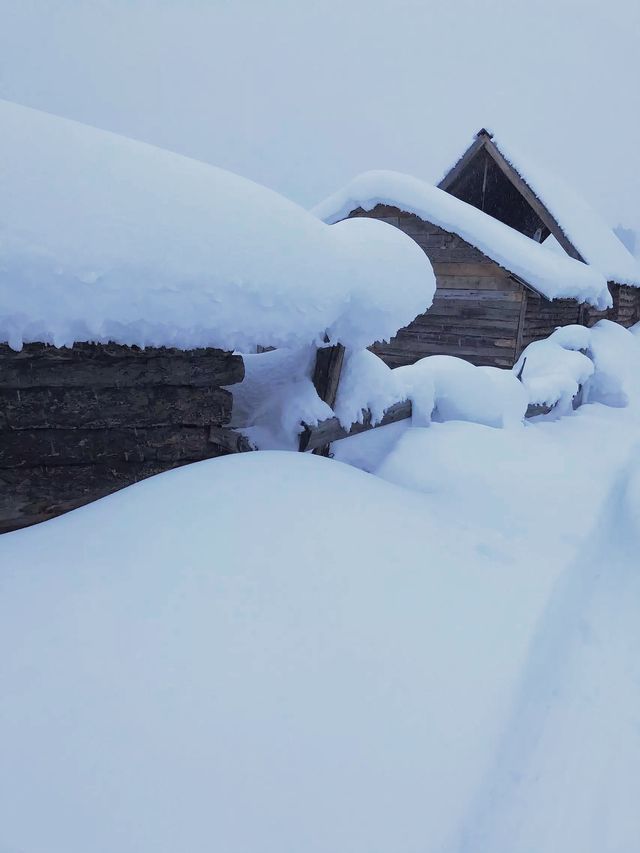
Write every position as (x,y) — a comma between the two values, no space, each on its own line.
(326,378)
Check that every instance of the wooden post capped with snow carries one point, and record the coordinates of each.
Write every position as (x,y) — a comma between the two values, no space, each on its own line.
(326,379)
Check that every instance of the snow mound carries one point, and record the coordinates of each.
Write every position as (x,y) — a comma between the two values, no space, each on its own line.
(604,360)
(445,388)
(553,275)
(106,239)
(366,382)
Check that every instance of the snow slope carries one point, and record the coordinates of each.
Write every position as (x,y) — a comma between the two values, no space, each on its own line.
(554,275)
(103,238)
(276,652)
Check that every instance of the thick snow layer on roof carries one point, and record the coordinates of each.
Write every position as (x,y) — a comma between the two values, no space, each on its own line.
(584,227)
(103,238)
(555,276)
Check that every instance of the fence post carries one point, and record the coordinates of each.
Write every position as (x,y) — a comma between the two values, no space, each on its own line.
(326,378)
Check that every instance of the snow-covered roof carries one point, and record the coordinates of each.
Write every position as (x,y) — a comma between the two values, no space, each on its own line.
(591,237)
(553,275)
(106,239)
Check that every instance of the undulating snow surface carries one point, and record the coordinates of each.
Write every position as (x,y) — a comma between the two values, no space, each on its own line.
(601,360)
(278,652)
(552,274)
(107,239)
(587,231)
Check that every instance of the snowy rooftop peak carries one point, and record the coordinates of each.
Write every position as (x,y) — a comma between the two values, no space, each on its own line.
(106,239)
(554,275)
(591,237)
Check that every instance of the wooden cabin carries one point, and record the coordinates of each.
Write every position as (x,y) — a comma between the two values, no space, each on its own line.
(79,423)
(481,311)
(498,183)
(497,287)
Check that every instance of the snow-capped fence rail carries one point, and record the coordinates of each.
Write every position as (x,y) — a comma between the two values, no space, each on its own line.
(321,435)
(326,432)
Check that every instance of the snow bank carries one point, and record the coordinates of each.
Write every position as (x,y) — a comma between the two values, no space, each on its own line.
(107,239)
(552,374)
(604,360)
(196,664)
(445,388)
(275,652)
(553,275)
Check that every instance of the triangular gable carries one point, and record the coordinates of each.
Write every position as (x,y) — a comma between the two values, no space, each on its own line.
(485,178)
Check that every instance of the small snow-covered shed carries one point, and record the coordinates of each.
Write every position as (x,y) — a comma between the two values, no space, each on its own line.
(507,185)
(128,275)
(497,289)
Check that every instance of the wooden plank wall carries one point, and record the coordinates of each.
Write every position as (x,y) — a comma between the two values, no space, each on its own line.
(543,316)
(476,313)
(78,423)
(625,310)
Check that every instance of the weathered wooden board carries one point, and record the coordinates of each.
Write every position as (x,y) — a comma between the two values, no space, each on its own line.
(326,379)
(101,408)
(109,366)
(324,433)
(78,423)
(47,491)
(26,448)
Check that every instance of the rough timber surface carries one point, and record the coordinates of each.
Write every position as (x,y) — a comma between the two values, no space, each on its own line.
(77,423)
(625,309)
(477,308)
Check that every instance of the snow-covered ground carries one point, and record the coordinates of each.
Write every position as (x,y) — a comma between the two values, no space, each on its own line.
(278,652)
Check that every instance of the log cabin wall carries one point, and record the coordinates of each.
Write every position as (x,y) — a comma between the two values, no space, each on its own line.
(542,316)
(625,309)
(477,311)
(79,423)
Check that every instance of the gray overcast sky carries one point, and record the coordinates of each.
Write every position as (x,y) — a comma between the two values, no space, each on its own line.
(302,95)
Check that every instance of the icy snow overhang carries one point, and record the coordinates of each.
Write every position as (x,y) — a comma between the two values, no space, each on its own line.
(562,212)
(554,275)
(106,239)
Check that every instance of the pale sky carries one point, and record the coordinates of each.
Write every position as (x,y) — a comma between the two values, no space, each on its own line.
(302,95)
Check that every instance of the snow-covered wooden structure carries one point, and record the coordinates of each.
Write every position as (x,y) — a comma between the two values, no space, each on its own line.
(77,423)
(496,180)
(128,276)
(498,287)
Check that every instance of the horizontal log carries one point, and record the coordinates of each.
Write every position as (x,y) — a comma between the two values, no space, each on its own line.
(430,346)
(400,359)
(471,310)
(475,326)
(332,430)
(28,448)
(496,296)
(477,269)
(111,365)
(28,496)
(434,337)
(113,407)
(449,255)
(477,282)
